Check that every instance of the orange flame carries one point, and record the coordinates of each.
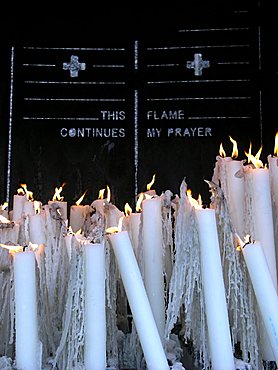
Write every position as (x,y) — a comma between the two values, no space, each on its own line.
(139,202)
(128,209)
(196,203)
(276,145)
(235,150)
(4,206)
(81,198)
(222,151)
(57,193)
(29,194)
(150,184)
(101,194)
(255,160)
(20,191)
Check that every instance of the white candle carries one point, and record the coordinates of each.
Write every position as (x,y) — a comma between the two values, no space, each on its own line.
(77,216)
(153,259)
(98,204)
(257,187)
(18,202)
(134,231)
(233,189)
(265,291)
(28,207)
(273,174)
(95,321)
(138,301)
(62,206)
(214,292)
(27,346)
(37,229)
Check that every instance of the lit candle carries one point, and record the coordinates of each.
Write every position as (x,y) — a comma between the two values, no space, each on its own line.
(37,225)
(139,304)
(27,346)
(219,335)
(264,289)
(95,321)
(78,214)
(3,210)
(153,259)
(257,188)
(227,172)
(18,202)
(59,201)
(98,204)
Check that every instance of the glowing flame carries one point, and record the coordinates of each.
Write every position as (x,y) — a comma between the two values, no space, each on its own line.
(276,145)
(222,151)
(29,194)
(115,229)
(37,207)
(4,206)
(235,150)
(241,243)
(4,220)
(108,198)
(57,193)
(128,209)
(196,203)
(12,248)
(255,160)
(150,184)
(101,194)
(81,198)
(139,202)
(20,191)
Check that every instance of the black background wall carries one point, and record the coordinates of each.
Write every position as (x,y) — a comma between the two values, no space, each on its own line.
(136,109)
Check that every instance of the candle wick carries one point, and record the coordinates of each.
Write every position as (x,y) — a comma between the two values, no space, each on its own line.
(24,248)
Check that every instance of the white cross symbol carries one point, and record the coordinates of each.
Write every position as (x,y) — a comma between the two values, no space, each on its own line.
(74,66)
(197,64)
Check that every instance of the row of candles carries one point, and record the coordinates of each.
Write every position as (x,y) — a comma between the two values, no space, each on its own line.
(146,296)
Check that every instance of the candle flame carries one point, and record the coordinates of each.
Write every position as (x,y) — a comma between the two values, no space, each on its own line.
(255,160)
(196,203)
(242,243)
(4,206)
(20,191)
(276,145)
(108,198)
(128,209)
(150,184)
(81,198)
(57,193)
(29,194)
(235,150)
(222,151)
(4,220)
(101,194)
(115,229)
(139,202)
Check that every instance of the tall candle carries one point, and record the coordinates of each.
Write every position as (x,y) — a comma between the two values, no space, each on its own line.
(28,208)
(139,304)
(265,291)
(78,215)
(62,207)
(214,292)
(153,259)
(134,231)
(95,322)
(37,229)
(18,202)
(27,347)
(257,188)
(225,171)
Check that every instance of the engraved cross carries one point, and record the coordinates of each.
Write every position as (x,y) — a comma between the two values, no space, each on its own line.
(74,66)
(197,64)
